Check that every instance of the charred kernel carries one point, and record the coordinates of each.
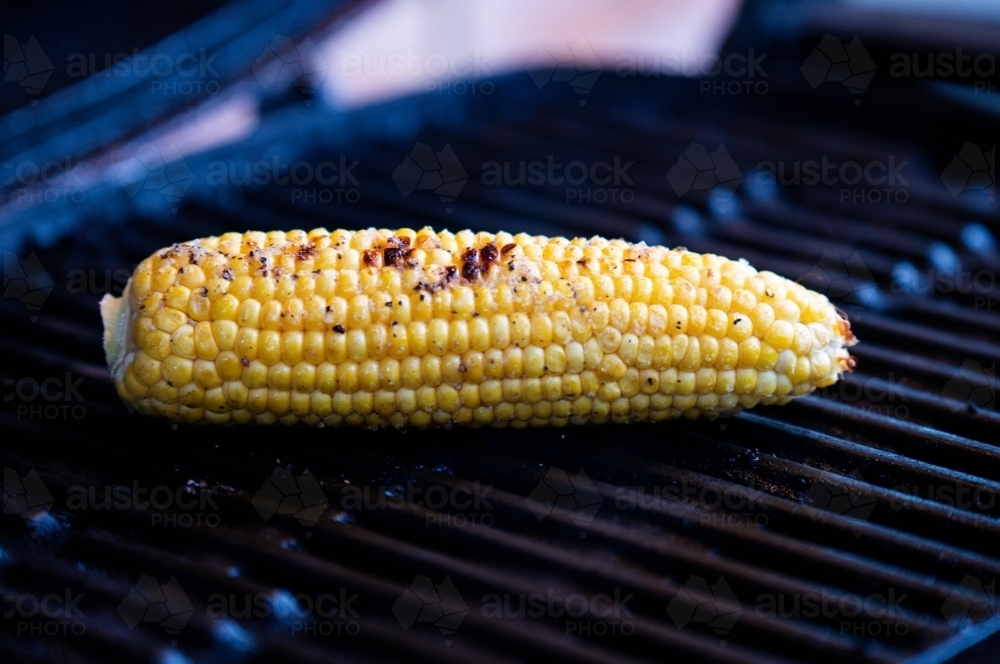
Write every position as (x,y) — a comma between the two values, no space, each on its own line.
(394,257)
(470,271)
(378,327)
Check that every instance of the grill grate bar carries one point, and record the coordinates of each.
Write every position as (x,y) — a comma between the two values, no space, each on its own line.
(678,551)
(907,331)
(916,469)
(917,364)
(915,437)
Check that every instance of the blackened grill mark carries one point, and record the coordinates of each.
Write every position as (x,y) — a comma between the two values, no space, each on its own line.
(507,248)
(470,255)
(470,271)
(371,258)
(307,251)
(450,272)
(338,329)
(393,256)
(489,253)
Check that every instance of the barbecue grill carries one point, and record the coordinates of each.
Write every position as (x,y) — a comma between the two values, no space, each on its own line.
(857,524)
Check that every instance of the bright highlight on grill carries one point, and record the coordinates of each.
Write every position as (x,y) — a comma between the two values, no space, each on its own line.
(417,328)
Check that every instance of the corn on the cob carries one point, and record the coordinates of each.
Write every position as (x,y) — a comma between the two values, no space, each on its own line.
(419,328)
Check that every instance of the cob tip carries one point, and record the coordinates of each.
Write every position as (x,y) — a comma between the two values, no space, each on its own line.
(115,314)
(845,361)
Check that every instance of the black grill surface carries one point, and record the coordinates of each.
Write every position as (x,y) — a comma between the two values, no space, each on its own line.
(857,524)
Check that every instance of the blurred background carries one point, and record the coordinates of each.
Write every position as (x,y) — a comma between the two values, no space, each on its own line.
(846,144)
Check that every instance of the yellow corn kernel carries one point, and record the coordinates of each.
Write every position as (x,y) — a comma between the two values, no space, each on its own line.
(420,328)
(168,319)
(781,334)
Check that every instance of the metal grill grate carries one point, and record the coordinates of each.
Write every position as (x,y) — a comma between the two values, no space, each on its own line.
(858,523)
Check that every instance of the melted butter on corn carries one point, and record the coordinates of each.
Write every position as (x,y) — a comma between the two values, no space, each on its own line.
(418,328)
